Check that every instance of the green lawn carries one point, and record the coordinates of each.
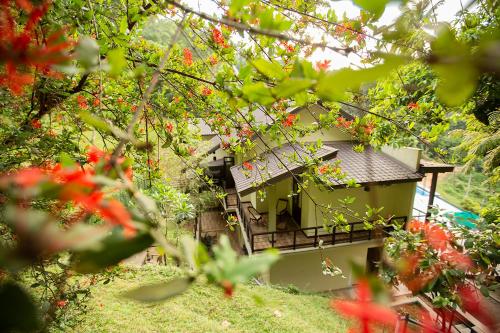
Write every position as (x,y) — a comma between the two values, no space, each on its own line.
(204,309)
(455,189)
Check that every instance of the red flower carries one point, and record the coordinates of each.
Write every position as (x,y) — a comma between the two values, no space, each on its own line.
(323,65)
(113,211)
(97,101)
(413,106)
(188,57)
(36,123)
(457,259)
(133,108)
(169,127)
(436,236)
(246,131)
(415,226)
(474,303)
(288,47)
(94,154)
(289,120)
(228,288)
(213,60)
(247,165)
(206,91)
(29,177)
(324,169)
(14,80)
(368,128)
(21,48)
(191,150)
(61,303)
(82,102)
(177,99)
(364,310)
(219,38)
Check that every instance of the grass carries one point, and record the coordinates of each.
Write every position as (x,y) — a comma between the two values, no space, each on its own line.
(455,189)
(203,308)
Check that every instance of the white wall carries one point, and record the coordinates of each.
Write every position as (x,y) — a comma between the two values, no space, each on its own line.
(303,268)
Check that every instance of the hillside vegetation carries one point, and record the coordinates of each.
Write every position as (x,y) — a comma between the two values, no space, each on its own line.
(204,308)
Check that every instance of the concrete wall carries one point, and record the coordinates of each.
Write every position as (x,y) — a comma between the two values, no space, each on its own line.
(397,199)
(303,268)
(406,155)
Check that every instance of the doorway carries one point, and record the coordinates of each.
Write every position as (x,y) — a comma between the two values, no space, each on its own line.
(373,258)
(296,209)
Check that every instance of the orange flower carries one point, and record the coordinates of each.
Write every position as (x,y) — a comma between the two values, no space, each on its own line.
(289,120)
(82,102)
(191,151)
(228,288)
(169,127)
(323,169)
(188,57)
(323,65)
(97,101)
(61,303)
(219,38)
(248,166)
(20,47)
(213,60)
(413,105)
(364,310)
(206,91)
(94,154)
(36,123)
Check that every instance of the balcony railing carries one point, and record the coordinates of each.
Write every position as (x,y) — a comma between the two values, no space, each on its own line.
(311,236)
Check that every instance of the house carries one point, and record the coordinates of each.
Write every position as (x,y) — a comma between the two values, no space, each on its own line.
(275,210)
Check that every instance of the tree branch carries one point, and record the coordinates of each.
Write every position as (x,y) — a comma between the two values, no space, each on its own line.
(265,32)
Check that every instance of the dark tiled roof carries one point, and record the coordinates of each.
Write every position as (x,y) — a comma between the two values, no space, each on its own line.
(431,166)
(370,166)
(269,169)
(260,118)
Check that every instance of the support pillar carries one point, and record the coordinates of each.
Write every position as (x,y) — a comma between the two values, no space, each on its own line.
(271,202)
(432,192)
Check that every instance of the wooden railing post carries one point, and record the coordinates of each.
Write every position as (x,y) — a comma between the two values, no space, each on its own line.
(315,236)
(333,235)
(351,231)
(272,239)
(252,246)
(294,239)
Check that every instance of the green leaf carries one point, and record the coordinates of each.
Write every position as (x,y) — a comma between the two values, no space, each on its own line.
(248,267)
(484,291)
(237,5)
(116,59)
(94,121)
(376,7)
(160,291)
(258,92)
(272,70)
(291,87)
(333,86)
(454,66)
(17,310)
(87,53)
(114,248)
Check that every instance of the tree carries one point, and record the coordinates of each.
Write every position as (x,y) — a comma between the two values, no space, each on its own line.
(77,74)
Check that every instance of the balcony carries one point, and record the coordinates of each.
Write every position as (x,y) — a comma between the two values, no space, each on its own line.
(290,236)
